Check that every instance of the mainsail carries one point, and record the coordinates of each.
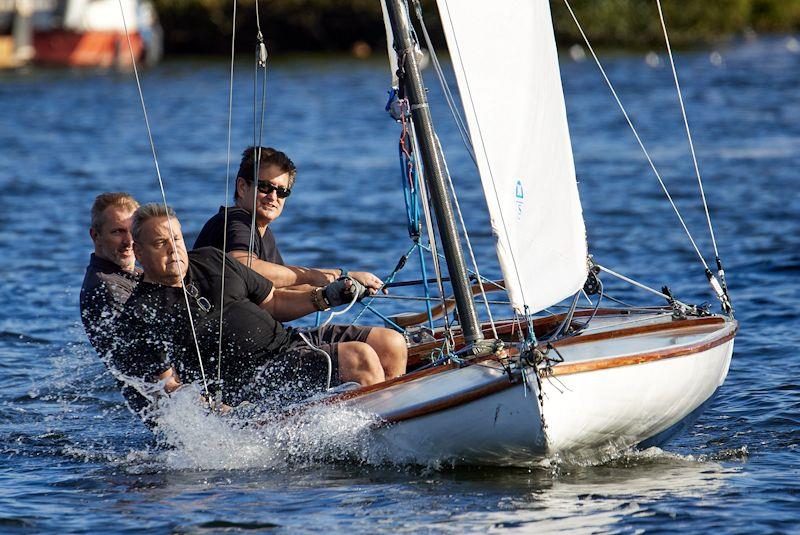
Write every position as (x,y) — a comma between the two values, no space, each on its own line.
(506,66)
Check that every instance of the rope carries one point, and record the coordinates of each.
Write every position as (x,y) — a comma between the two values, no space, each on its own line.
(163,197)
(340,312)
(258,132)
(225,202)
(305,339)
(636,134)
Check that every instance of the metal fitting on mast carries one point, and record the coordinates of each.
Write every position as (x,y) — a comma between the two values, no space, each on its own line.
(433,165)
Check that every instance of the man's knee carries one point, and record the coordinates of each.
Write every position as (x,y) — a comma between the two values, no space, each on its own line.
(359,362)
(392,350)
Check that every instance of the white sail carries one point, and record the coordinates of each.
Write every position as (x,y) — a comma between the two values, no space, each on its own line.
(390,43)
(506,67)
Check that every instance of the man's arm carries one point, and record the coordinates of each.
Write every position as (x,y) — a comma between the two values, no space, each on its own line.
(288,305)
(291,276)
(285,276)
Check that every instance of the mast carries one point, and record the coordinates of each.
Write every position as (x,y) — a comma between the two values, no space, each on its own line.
(433,161)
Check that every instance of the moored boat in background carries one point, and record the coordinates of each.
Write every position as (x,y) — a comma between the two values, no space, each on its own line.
(78,33)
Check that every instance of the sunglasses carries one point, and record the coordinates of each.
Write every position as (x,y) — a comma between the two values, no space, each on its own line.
(266,188)
(202,302)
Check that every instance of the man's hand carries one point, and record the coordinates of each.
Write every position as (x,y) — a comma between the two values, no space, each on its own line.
(369,280)
(170,380)
(343,291)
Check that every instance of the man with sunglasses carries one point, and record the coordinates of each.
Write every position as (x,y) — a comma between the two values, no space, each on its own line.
(277,175)
(256,355)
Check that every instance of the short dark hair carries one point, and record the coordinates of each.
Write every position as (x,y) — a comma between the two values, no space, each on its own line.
(268,156)
(105,200)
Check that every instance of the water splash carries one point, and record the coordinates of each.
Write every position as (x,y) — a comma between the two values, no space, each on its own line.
(197,438)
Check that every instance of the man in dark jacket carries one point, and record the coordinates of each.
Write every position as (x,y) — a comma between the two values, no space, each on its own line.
(111,274)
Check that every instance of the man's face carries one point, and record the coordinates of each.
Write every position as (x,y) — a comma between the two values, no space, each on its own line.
(268,206)
(160,261)
(114,241)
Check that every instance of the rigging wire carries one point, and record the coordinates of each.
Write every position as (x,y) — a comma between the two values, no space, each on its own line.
(225,202)
(164,198)
(719,289)
(636,134)
(258,131)
(468,242)
(426,210)
(448,95)
(691,146)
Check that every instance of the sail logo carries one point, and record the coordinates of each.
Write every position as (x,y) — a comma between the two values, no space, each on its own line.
(519,199)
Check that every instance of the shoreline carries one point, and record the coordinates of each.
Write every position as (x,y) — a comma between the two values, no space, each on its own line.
(194,28)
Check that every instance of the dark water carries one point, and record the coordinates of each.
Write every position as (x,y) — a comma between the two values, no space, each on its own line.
(72,459)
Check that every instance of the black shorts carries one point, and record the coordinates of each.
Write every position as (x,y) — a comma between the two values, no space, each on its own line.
(301,369)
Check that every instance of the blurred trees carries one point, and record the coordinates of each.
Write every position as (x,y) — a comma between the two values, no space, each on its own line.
(204,26)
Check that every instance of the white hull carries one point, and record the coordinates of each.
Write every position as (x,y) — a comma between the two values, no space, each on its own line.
(610,393)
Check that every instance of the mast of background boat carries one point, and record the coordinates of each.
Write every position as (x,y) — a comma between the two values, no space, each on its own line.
(433,161)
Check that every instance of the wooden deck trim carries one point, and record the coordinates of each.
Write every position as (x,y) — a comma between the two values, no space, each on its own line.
(641,329)
(562,368)
(391,382)
(640,358)
(506,327)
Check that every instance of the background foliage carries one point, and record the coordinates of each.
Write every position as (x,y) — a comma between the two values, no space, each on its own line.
(204,26)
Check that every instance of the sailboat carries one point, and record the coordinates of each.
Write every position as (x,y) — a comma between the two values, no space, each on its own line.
(582,384)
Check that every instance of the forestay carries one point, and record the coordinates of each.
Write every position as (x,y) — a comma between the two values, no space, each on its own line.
(506,66)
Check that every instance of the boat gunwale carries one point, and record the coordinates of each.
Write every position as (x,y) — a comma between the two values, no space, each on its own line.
(509,326)
(719,337)
(503,382)
(590,365)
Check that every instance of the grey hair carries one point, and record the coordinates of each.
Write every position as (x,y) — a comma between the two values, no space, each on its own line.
(147,212)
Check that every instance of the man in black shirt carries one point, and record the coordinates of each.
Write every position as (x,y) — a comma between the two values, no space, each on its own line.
(277,175)
(111,275)
(259,358)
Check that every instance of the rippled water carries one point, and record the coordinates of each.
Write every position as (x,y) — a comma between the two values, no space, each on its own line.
(73,459)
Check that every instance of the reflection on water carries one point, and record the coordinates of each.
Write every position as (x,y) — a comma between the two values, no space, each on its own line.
(601,498)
